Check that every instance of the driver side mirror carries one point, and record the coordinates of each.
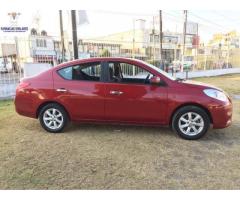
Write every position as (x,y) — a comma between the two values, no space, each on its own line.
(155,80)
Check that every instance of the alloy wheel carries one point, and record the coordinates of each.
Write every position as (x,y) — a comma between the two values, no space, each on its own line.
(191,123)
(53,118)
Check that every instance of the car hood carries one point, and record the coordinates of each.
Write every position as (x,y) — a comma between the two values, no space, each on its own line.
(200,85)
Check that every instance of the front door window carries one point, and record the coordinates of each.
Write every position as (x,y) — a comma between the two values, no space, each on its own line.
(127,73)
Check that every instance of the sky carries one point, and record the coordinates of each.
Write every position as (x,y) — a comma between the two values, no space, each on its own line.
(104,22)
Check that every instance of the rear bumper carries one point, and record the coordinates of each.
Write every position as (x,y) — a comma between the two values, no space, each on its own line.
(25,104)
(24,109)
(221,115)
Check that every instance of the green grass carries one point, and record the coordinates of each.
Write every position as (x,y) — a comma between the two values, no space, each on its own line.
(229,83)
(5,103)
(118,157)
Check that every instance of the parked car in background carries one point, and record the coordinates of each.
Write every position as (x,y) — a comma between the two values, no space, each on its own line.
(175,66)
(121,90)
(3,69)
(226,65)
(189,64)
(5,65)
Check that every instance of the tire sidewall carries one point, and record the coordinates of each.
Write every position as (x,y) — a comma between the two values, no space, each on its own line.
(60,109)
(183,111)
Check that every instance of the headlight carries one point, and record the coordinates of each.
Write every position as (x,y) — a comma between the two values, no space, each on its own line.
(216,94)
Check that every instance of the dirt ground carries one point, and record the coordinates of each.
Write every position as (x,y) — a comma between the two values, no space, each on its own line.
(118,157)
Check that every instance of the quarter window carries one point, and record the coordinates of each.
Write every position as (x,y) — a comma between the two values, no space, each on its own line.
(66,73)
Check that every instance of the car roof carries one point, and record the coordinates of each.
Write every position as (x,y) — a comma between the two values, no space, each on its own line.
(97,59)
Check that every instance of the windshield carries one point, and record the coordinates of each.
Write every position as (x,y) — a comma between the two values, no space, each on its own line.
(158,70)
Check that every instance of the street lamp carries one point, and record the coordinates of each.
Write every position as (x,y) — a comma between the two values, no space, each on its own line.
(228,49)
(133,48)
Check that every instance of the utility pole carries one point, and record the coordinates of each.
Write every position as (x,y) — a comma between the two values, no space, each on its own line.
(184,36)
(160,35)
(62,35)
(205,58)
(133,48)
(153,34)
(134,35)
(74,34)
(197,47)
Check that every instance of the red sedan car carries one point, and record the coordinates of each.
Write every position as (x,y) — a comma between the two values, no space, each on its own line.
(121,90)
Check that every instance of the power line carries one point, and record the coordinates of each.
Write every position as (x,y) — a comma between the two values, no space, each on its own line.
(209,21)
(233,21)
(226,17)
(176,18)
(123,13)
(136,14)
(179,18)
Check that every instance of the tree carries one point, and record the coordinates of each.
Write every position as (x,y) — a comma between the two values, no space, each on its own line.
(105,53)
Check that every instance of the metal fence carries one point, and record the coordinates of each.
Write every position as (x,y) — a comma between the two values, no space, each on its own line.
(15,52)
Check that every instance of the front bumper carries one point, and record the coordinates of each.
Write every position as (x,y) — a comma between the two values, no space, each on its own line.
(221,115)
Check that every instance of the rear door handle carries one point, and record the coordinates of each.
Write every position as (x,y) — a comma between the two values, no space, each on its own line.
(114,92)
(61,90)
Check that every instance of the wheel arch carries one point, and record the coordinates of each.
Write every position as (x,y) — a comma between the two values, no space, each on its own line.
(190,104)
(48,102)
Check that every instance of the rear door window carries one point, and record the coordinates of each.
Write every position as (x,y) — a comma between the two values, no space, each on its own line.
(85,72)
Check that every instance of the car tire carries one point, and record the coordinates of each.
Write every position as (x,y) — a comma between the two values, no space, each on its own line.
(53,118)
(191,122)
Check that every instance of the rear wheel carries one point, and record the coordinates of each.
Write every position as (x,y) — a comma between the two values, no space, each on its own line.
(191,122)
(53,118)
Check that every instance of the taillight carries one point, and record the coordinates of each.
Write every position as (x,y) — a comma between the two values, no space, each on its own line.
(22,85)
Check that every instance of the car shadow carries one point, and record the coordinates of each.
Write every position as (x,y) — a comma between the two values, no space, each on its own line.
(226,137)
(75,128)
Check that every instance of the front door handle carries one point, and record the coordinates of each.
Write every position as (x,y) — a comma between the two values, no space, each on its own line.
(114,92)
(61,90)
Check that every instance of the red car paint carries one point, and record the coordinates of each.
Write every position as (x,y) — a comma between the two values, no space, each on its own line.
(91,101)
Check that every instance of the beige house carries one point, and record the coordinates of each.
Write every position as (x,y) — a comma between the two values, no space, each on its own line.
(144,44)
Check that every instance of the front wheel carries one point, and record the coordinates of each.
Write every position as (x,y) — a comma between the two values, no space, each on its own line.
(53,118)
(191,122)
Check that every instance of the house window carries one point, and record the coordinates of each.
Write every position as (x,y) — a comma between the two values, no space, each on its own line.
(37,41)
(41,43)
(151,38)
(44,43)
(57,45)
